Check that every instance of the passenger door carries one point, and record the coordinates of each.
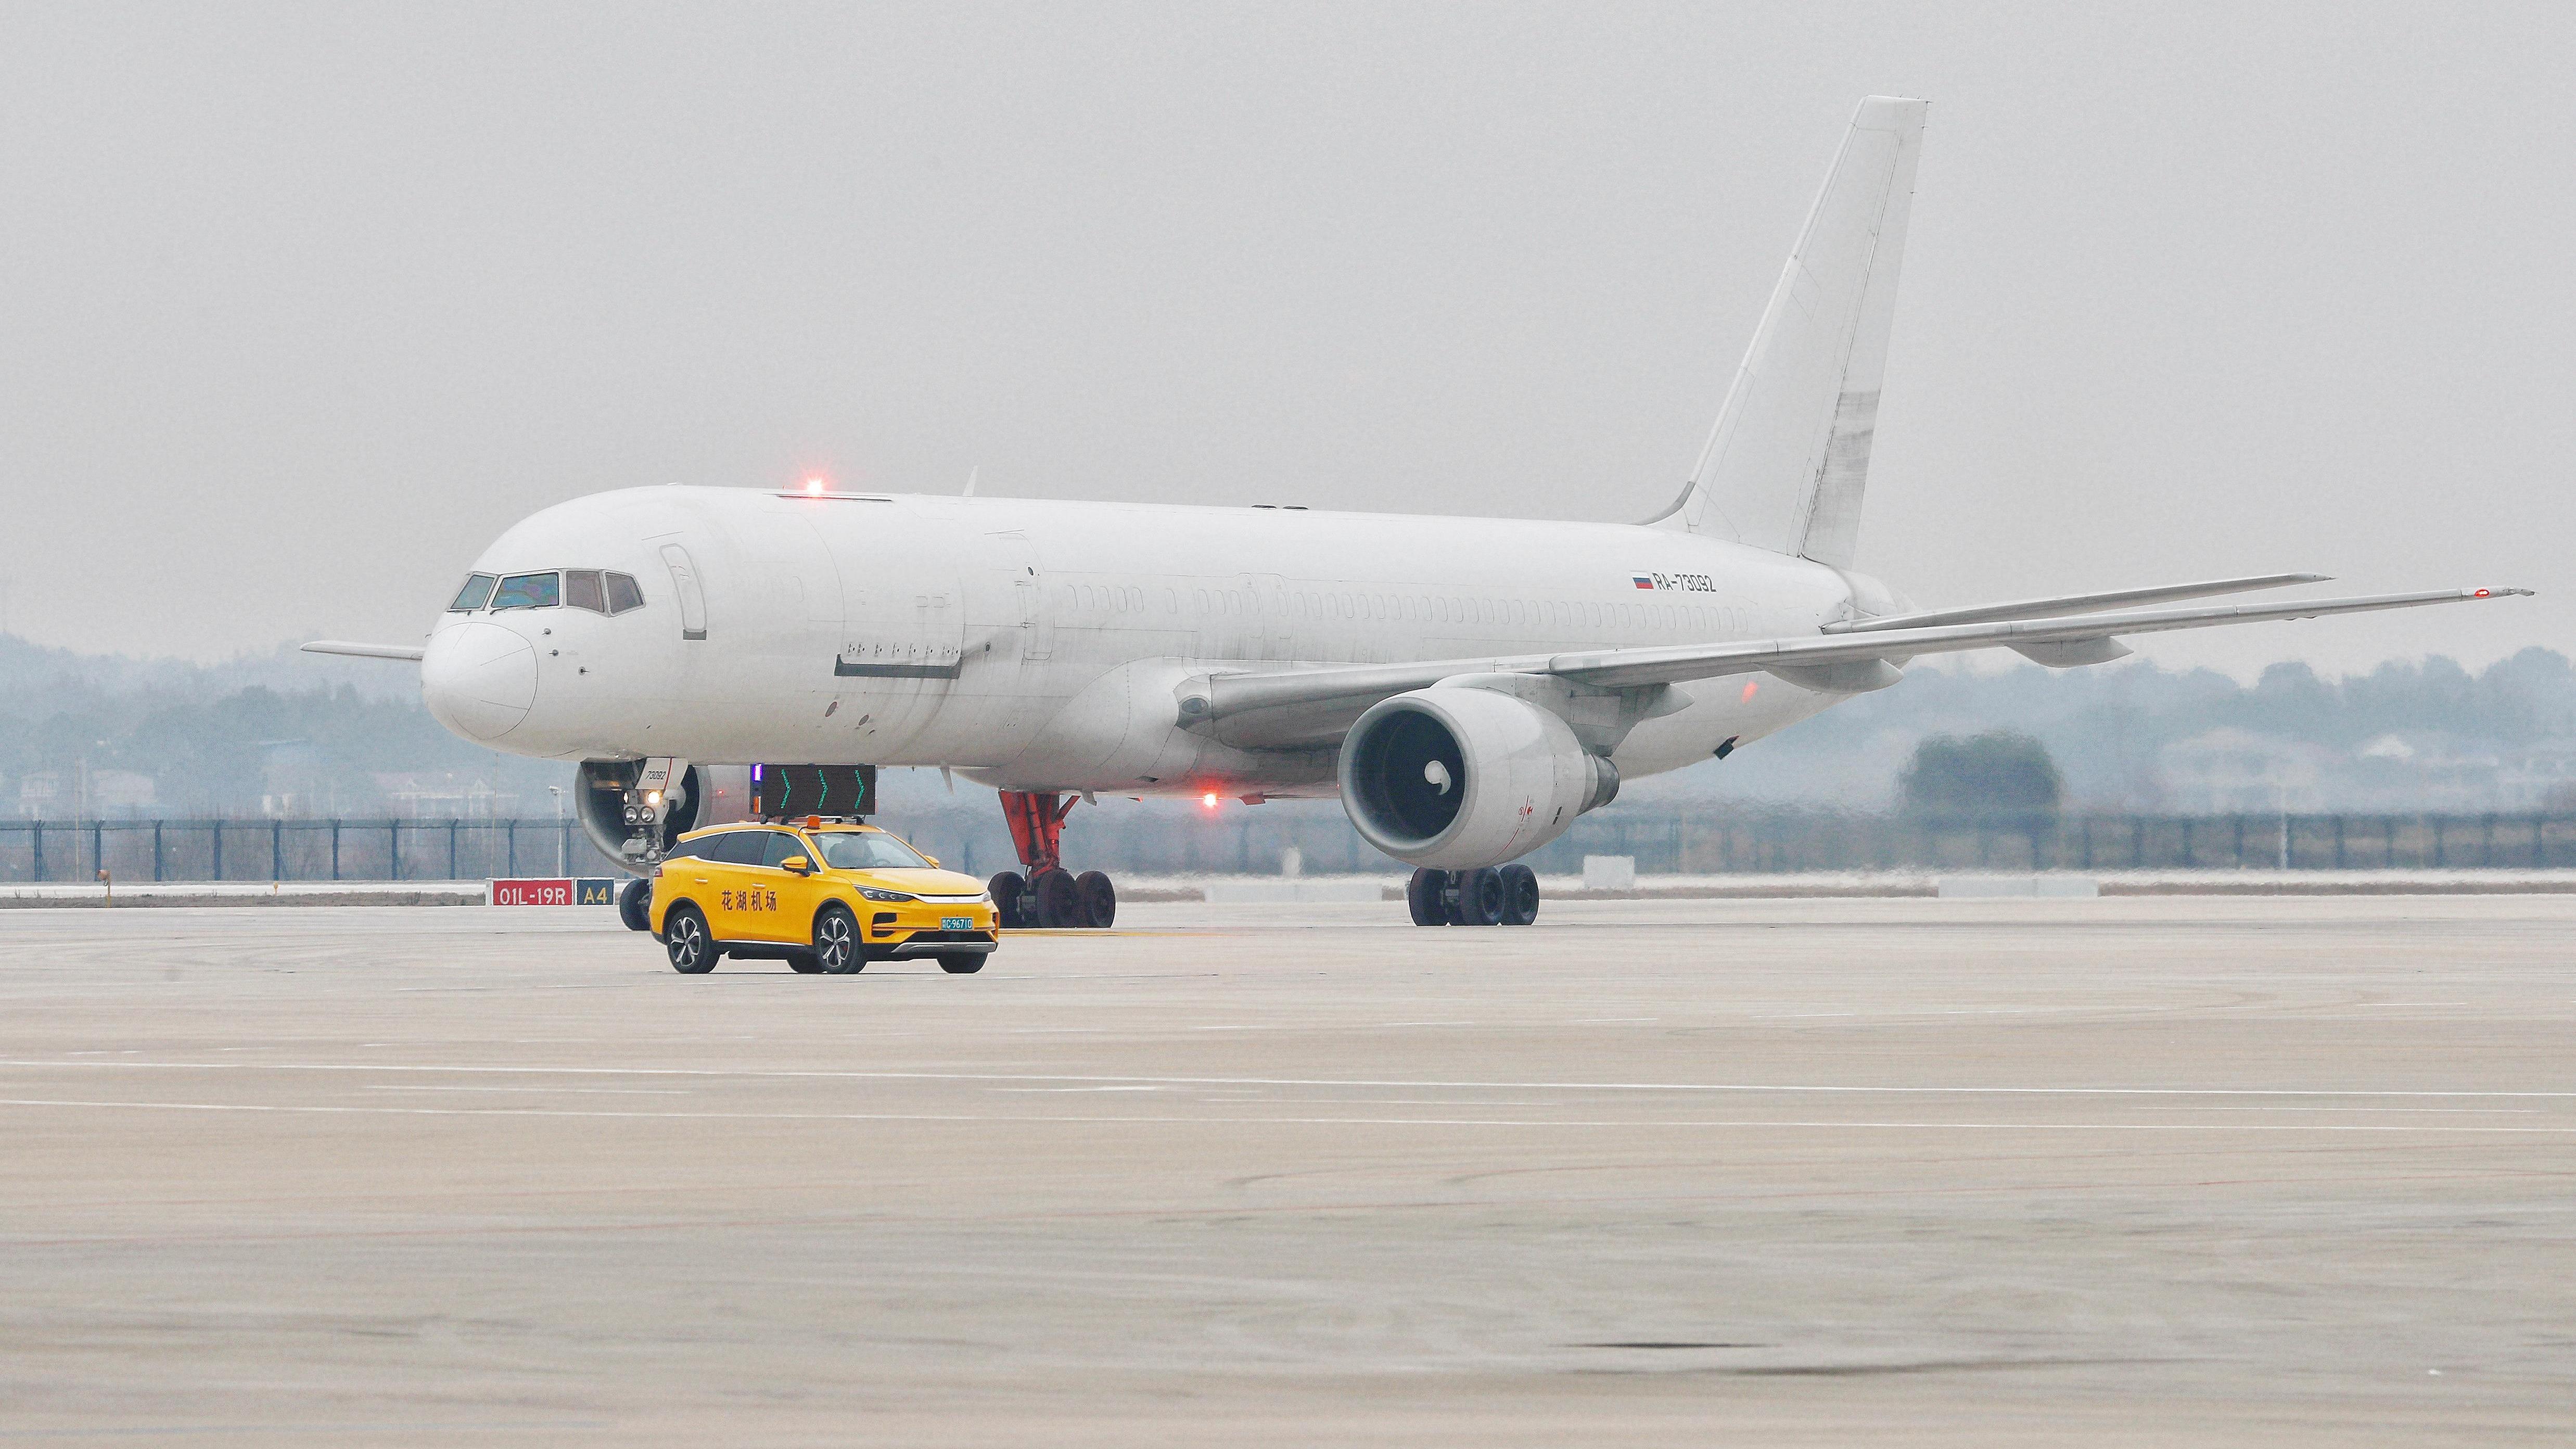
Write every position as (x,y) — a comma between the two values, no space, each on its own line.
(733,859)
(796,897)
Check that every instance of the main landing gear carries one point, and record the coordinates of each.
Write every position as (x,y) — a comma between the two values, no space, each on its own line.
(1048,895)
(1504,897)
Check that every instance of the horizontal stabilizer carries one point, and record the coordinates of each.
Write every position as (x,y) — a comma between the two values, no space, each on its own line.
(411,652)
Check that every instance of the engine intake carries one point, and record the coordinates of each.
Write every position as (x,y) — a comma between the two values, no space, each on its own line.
(1457,778)
(635,833)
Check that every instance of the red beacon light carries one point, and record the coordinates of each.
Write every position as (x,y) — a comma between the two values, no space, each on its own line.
(813,487)
(1208,800)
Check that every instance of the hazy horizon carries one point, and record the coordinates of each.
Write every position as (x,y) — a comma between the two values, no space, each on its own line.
(305,304)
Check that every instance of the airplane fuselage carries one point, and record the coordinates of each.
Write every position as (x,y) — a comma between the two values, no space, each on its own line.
(1038,645)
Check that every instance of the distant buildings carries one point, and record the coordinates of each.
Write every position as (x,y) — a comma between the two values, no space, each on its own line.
(2230,770)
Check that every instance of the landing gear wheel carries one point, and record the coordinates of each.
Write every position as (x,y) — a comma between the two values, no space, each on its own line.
(1099,899)
(964,963)
(1422,896)
(836,942)
(684,935)
(635,904)
(1480,898)
(1059,900)
(1010,899)
(1520,894)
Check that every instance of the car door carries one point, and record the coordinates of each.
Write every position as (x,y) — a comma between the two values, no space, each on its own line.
(791,899)
(761,886)
(733,860)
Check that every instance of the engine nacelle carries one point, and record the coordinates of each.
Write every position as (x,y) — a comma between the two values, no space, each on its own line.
(1458,777)
(634,833)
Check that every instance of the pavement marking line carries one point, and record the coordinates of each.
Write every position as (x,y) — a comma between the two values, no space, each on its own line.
(766,1074)
(1143,1121)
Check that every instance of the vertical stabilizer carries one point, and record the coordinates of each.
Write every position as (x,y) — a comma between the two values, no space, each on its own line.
(1786,464)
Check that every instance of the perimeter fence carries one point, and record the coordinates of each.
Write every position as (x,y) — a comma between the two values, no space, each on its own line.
(1244,840)
(294,850)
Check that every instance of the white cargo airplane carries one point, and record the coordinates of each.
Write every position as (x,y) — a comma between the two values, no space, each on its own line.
(1466,686)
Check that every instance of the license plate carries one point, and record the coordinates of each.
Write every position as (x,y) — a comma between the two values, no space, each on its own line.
(956,923)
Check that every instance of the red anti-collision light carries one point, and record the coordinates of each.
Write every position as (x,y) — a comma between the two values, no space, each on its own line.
(2482,593)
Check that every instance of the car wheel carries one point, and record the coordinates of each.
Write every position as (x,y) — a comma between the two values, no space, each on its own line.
(635,904)
(1422,897)
(963,963)
(1010,905)
(1520,894)
(1059,900)
(804,963)
(684,935)
(836,942)
(1099,899)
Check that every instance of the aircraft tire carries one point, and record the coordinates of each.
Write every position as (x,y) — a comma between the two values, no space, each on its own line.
(684,936)
(961,964)
(839,950)
(1480,897)
(1010,898)
(1099,899)
(635,904)
(1059,900)
(1520,895)
(1422,897)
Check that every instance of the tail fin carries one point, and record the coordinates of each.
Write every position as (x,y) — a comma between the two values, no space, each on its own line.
(1786,463)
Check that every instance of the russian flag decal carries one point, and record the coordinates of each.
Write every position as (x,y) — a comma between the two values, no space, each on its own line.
(1643,581)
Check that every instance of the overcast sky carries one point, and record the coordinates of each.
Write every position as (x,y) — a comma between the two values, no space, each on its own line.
(299,306)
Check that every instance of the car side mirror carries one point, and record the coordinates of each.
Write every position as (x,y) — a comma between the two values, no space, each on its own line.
(798,864)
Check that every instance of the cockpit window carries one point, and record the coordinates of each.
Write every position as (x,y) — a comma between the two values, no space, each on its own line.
(582,590)
(867,850)
(476,593)
(529,591)
(623,594)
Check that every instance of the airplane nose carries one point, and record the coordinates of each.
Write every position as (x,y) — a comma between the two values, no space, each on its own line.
(479,681)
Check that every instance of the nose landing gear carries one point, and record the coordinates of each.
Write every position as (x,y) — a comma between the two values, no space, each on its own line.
(1048,895)
(1504,897)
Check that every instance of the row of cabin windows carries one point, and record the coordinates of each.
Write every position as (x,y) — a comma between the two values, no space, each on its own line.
(1095,599)
(597,590)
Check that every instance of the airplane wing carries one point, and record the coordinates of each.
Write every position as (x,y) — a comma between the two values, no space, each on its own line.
(1305,706)
(2072,603)
(411,652)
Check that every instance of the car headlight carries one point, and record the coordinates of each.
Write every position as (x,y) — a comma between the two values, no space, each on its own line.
(872,893)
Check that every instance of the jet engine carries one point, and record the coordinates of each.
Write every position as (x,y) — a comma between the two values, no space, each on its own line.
(633,828)
(1459,777)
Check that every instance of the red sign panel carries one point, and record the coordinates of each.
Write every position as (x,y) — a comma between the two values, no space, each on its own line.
(556,892)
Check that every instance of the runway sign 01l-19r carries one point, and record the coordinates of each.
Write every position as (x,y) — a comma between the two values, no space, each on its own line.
(554,891)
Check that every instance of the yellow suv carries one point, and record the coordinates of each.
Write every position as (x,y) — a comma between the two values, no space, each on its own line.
(823,898)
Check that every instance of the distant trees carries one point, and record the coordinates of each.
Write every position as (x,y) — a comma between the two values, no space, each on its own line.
(2000,772)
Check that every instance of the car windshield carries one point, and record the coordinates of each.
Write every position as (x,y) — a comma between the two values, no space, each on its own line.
(529,591)
(867,850)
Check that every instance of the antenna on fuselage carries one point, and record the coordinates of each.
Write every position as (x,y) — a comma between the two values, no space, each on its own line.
(971,475)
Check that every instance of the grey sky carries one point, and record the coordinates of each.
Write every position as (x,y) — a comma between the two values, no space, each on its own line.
(300,306)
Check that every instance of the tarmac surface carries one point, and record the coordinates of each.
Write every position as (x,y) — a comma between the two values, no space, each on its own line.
(2125,1171)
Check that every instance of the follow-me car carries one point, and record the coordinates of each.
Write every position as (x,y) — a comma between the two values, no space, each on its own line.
(822,897)
(1466,687)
